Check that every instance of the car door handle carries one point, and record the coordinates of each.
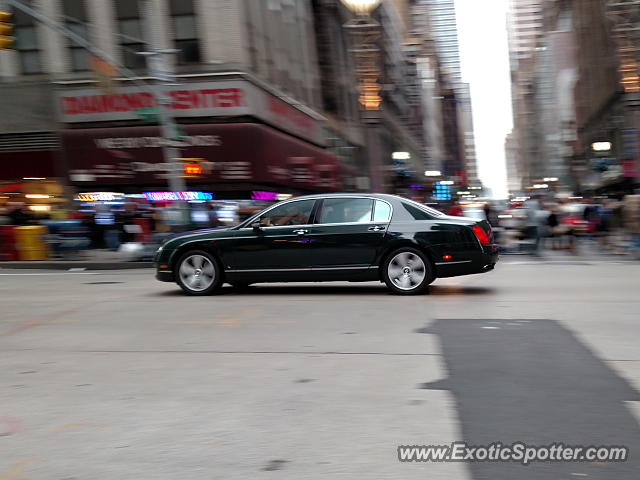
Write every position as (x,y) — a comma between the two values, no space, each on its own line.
(301,231)
(376,228)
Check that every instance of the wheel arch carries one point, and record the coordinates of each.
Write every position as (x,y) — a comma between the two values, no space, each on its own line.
(179,252)
(425,249)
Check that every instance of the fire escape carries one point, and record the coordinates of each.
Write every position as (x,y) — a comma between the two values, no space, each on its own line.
(624,16)
(625,29)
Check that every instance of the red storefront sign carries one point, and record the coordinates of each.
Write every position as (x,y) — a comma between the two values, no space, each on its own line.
(203,99)
(226,153)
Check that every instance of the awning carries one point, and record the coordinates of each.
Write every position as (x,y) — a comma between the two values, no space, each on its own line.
(227,153)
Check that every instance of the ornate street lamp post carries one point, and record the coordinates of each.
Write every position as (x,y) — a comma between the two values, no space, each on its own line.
(365,32)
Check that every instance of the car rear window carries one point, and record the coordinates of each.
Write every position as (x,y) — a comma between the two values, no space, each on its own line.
(417,213)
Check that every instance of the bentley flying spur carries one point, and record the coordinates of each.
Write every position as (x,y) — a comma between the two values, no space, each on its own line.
(331,237)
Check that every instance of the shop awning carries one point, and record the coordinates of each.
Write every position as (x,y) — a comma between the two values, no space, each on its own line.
(227,153)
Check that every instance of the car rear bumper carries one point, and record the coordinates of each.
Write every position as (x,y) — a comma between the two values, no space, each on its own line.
(479,262)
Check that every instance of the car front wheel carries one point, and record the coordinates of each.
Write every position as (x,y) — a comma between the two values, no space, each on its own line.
(407,271)
(198,273)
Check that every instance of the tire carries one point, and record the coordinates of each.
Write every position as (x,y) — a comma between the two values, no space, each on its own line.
(407,271)
(198,273)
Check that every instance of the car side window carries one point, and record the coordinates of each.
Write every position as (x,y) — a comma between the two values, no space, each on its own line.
(382,211)
(346,210)
(290,213)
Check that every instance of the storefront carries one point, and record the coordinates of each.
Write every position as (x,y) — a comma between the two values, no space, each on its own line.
(29,178)
(273,146)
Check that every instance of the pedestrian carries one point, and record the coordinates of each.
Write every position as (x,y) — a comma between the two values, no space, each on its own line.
(553,225)
(532,225)
(19,214)
(632,222)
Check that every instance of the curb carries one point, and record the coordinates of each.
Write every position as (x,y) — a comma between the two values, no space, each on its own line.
(62,265)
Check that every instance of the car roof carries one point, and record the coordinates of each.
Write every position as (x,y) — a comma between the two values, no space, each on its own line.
(382,196)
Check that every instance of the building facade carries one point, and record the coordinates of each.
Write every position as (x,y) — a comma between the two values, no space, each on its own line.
(244,88)
(278,71)
(578,86)
(440,18)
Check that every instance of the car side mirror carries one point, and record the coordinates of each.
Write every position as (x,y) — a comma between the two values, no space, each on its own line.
(257,226)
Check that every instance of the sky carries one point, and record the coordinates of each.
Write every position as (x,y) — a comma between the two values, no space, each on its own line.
(484,56)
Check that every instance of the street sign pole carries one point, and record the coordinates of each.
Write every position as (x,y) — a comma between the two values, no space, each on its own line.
(161,73)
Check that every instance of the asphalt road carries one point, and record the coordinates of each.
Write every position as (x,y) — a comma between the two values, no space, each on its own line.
(113,375)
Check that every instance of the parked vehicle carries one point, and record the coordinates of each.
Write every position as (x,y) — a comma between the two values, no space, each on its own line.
(354,237)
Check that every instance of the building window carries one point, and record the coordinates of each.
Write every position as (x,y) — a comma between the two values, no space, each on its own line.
(130,30)
(26,43)
(75,18)
(185,31)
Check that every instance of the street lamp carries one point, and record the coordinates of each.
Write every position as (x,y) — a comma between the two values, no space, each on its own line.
(601,146)
(361,7)
(365,32)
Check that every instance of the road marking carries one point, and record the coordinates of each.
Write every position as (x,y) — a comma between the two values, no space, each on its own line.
(34,322)
(16,471)
(68,426)
(232,320)
(48,274)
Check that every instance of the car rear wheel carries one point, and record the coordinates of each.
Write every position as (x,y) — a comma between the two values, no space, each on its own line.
(407,271)
(198,273)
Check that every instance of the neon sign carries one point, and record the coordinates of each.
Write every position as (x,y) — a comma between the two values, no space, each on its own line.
(99,196)
(262,195)
(177,196)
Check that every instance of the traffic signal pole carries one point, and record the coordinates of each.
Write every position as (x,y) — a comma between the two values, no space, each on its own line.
(169,127)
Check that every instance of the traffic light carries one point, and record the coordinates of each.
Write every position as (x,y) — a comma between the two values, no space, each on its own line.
(191,167)
(6,40)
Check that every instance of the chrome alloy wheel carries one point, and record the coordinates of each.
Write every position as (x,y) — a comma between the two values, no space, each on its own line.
(197,272)
(407,271)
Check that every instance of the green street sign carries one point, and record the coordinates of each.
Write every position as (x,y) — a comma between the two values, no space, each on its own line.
(149,114)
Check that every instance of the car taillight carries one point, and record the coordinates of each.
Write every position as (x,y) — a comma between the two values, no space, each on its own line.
(483,238)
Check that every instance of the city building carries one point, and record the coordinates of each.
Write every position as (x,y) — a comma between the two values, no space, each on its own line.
(514,184)
(575,87)
(440,18)
(244,88)
(524,27)
(607,95)
(278,73)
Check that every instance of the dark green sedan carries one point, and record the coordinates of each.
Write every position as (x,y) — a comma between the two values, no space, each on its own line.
(329,237)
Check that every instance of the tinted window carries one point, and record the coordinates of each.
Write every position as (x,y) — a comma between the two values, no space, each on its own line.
(292,213)
(382,212)
(417,213)
(346,210)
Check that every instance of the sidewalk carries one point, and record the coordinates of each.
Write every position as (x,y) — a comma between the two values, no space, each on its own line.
(87,259)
